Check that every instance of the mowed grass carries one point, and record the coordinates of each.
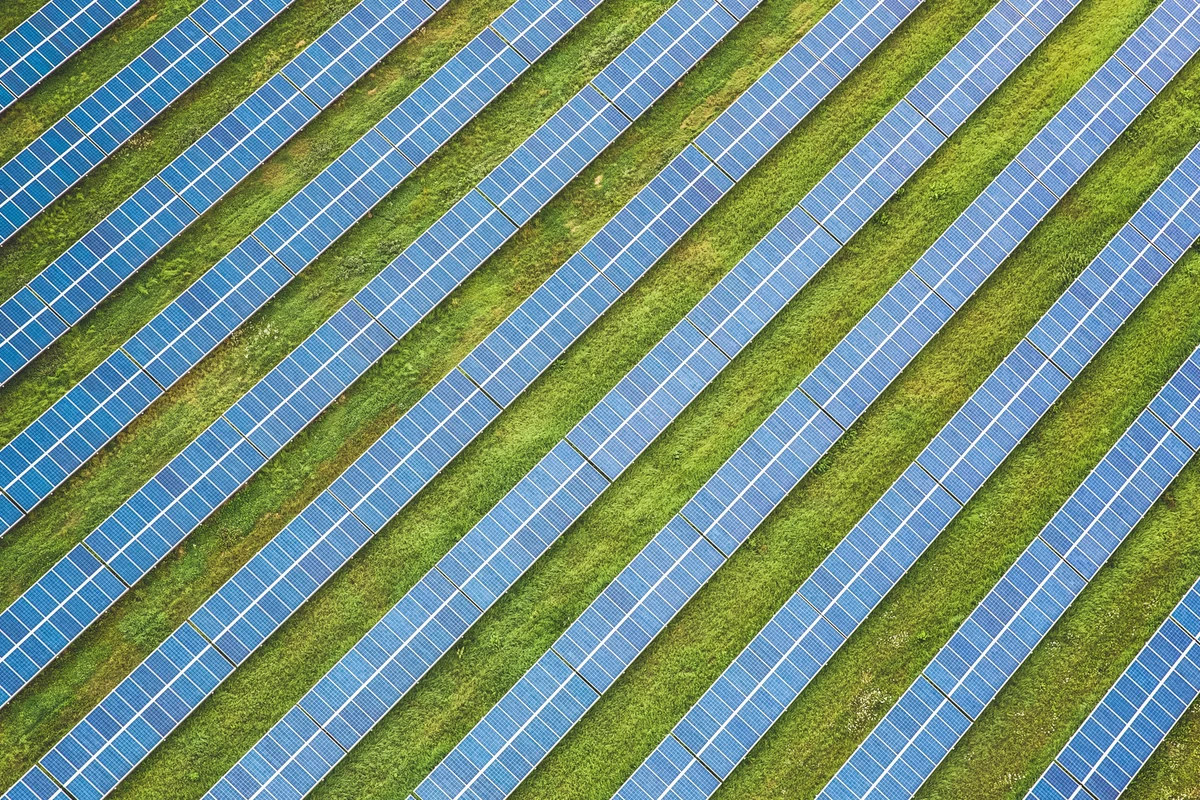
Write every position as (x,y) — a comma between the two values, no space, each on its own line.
(642,707)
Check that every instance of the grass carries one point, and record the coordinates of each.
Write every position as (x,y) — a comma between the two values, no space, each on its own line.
(830,719)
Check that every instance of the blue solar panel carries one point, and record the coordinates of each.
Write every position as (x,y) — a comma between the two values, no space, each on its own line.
(902,749)
(763,282)
(1003,629)
(874,170)
(734,501)
(1134,717)
(50,36)
(1157,51)
(989,230)
(615,628)
(748,696)
(515,735)
(241,283)
(647,399)
(1102,512)
(285,400)
(523,525)
(669,773)
(540,330)
(558,151)
(975,68)
(280,577)
(877,349)
(115,736)
(1087,315)
(411,452)
(309,379)
(881,547)
(26,328)
(1175,404)
(288,762)
(51,613)
(139,228)
(656,218)
(353,696)
(36,785)
(991,423)
(189,488)
(1001,632)
(662,54)
(112,114)
(555,493)
(53,446)
(889,539)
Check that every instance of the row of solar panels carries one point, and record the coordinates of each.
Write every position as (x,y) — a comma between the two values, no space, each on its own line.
(112,114)
(1134,717)
(617,627)
(919,731)
(138,229)
(771,672)
(74,428)
(289,569)
(207,472)
(51,35)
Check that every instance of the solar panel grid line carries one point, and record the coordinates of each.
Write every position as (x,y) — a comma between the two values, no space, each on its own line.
(998,636)
(208,311)
(632,784)
(75,282)
(1134,716)
(1000,640)
(267,403)
(573,451)
(57,159)
(199,625)
(48,37)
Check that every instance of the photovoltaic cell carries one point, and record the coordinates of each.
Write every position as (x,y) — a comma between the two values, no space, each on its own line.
(504,544)
(292,394)
(112,114)
(238,285)
(50,36)
(1002,631)
(78,280)
(1119,736)
(759,686)
(277,580)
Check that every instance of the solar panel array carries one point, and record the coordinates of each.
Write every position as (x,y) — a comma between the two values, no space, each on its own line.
(111,115)
(1118,737)
(223,457)
(770,673)
(138,229)
(51,448)
(431,616)
(1003,630)
(244,612)
(50,36)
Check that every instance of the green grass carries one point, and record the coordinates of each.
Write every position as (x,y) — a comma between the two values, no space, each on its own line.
(838,710)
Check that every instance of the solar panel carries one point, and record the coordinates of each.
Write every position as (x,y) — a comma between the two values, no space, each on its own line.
(135,717)
(1134,717)
(292,394)
(504,544)
(283,574)
(241,283)
(79,279)
(737,710)
(112,114)
(1001,632)
(50,36)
